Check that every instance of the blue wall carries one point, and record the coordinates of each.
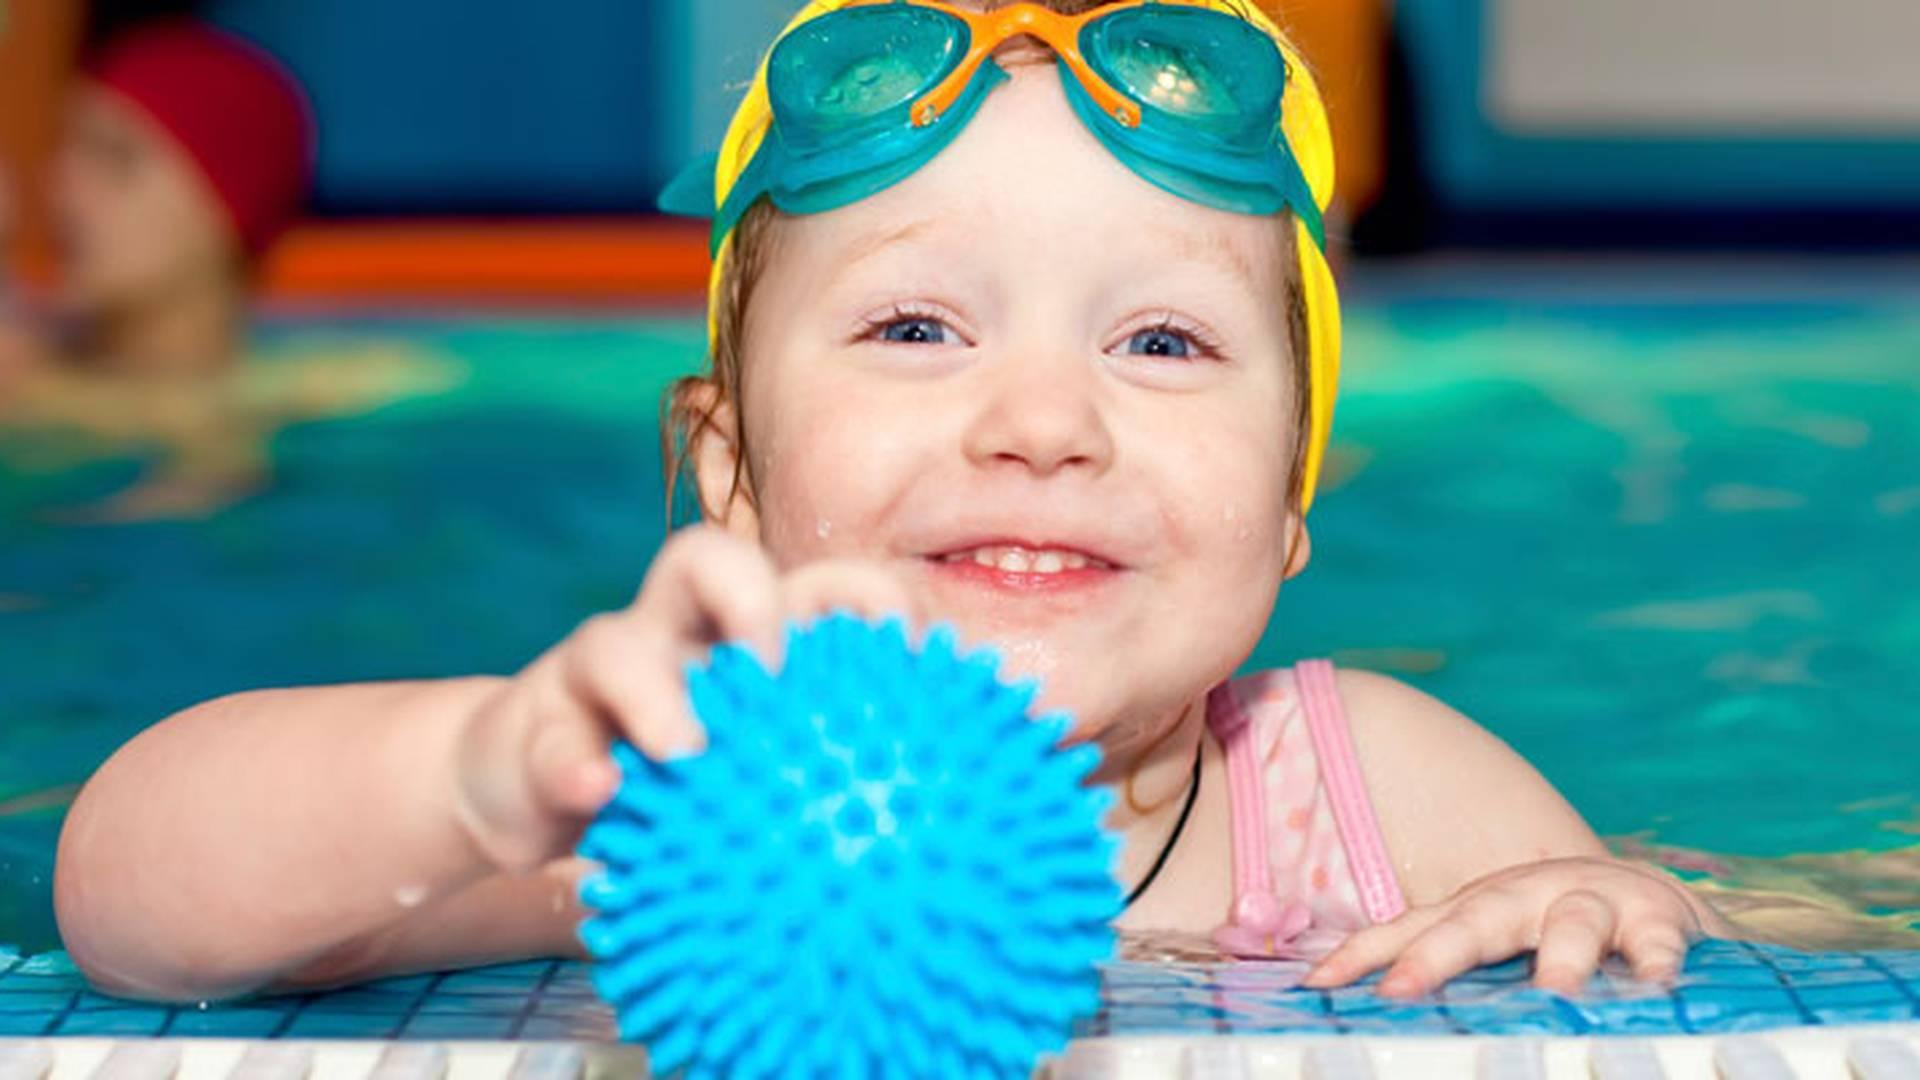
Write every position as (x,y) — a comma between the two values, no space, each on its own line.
(469,106)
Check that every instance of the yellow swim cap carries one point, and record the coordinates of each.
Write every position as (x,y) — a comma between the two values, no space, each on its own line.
(1303,123)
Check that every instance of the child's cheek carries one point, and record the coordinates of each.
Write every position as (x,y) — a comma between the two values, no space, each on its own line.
(822,476)
(1235,508)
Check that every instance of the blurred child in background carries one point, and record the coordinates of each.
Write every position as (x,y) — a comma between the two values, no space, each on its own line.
(186,153)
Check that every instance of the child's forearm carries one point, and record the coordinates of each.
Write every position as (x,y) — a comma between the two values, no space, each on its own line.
(250,838)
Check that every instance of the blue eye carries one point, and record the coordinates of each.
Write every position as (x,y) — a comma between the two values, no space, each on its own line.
(1162,342)
(912,331)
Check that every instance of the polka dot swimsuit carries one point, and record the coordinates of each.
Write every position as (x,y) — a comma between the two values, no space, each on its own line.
(1310,866)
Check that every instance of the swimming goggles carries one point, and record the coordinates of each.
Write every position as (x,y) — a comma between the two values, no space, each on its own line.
(1186,94)
(1202,98)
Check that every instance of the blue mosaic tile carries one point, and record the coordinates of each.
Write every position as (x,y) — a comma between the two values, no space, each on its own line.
(1514,973)
(1154,1019)
(1880,1012)
(1648,1016)
(1289,1014)
(315,1023)
(476,1004)
(1473,992)
(125,1021)
(24,1024)
(1158,975)
(366,1001)
(1859,994)
(517,982)
(572,975)
(554,1028)
(41,1001)
(1516,1022)
(1115,996)
(1793,962)
(1707,1005)
(453,1026)
(1731,976)
(1383,1018)
(1348,999)
(1904,965)
(228,1023)
(1816,980)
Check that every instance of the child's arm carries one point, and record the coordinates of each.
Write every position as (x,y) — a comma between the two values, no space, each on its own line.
(252,837)
(308,837)
(1493,861)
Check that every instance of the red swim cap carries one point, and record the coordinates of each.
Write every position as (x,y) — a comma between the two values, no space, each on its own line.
(231,107)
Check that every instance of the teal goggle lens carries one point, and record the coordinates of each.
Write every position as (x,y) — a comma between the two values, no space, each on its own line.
(1204,71)
(860,67)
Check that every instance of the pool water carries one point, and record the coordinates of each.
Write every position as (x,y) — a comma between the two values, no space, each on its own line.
(1669,550)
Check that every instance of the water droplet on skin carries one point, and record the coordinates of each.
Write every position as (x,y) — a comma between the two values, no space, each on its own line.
(410,896)
(1230,515)
(824,530)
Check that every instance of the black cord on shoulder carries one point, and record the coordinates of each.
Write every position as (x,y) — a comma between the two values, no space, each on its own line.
(1180,826)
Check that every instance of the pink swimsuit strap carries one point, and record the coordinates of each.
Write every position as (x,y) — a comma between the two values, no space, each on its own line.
(1258,913)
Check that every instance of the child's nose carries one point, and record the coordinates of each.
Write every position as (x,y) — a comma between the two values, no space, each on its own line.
(1043,415)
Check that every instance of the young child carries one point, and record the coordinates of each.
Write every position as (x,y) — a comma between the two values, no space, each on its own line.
(185,154)
(1021,322)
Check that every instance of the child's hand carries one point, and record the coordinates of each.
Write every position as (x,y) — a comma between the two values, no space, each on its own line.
(1574,912)
(534,763)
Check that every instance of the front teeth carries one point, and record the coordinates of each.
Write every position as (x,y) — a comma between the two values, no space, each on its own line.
(1013,560)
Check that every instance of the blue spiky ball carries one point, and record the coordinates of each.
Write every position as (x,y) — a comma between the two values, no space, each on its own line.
(882,865)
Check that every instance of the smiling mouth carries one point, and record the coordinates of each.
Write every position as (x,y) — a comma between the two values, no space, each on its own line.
(1018,559)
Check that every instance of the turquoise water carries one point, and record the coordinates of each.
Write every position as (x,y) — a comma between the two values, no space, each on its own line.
(1670,551)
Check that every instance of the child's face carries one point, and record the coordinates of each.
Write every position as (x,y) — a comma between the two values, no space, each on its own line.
(1027,356)
(136,218)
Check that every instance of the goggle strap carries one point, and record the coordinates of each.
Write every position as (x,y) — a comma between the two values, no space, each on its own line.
(747,190)
(690,192)
(1300,201)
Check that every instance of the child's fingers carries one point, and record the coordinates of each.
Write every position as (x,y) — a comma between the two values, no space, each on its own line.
(708,586)
(623,673)
(1574,937)
(570,768)
(1446,950)
(1482,929)
(844,585)
(1371,949)
(1656,949)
